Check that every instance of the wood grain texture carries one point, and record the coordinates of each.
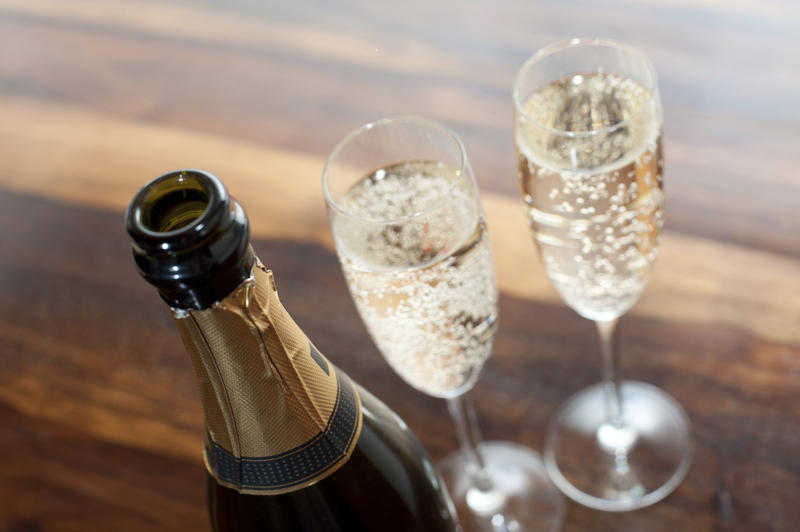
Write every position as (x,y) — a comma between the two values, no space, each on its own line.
(100,424)
(696,278)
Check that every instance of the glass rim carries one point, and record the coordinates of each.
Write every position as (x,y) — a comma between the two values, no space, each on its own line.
(580,42)
(383,122)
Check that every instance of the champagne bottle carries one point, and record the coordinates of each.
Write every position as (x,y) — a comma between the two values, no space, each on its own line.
(291,442)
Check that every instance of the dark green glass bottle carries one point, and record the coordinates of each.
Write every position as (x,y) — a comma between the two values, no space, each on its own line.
(291,444)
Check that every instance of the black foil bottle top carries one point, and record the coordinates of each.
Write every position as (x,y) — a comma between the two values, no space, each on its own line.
(190,239)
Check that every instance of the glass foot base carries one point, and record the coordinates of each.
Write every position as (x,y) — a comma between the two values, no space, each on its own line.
(624,466)
(522,497)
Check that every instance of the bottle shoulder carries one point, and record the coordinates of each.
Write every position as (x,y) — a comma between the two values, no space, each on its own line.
(388,484)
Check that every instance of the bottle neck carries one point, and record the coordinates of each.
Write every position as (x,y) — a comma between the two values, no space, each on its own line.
(279,415)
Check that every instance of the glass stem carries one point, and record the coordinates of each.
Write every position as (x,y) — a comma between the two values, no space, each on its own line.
(608,345)
(462,410)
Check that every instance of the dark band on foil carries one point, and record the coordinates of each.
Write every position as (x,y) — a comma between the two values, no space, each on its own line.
(295,466)
(319,359)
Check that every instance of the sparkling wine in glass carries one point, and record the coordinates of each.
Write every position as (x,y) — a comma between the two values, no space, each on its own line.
(588,142)
(411,237)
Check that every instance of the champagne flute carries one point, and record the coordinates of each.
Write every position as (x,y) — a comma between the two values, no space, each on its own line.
(588,140)
(410,234)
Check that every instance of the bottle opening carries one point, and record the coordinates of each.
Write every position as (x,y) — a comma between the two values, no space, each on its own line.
(174,203)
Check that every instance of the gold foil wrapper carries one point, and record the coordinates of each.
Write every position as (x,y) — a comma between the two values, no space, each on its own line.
(279,416)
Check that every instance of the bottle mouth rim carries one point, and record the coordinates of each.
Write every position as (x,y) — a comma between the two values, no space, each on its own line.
(202,250)
(140,228)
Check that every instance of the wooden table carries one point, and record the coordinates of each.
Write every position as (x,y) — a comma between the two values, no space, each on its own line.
(100,423)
